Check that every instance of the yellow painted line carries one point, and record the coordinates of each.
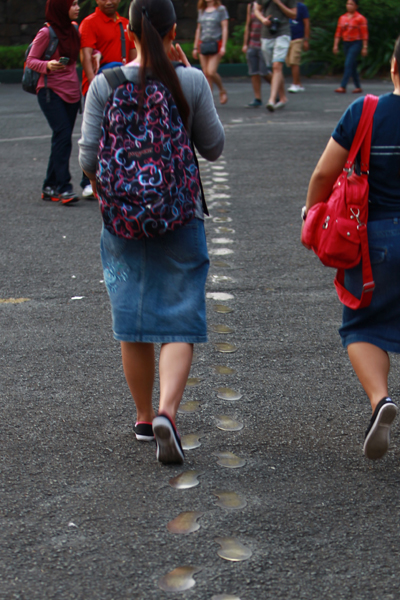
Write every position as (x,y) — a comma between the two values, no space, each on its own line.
(13,300)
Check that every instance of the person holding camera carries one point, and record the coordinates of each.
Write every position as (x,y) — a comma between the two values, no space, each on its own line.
(275,17)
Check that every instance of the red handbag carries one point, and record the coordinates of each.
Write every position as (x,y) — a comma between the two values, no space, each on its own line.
(336,230)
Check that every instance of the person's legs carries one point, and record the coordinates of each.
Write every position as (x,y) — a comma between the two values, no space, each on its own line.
(174,367)
(296,75)
(256,83)
(212,70)
(354,52)
(139,368)
(347,64)
(277,84)
(204,60)
(371,365)
(61,117)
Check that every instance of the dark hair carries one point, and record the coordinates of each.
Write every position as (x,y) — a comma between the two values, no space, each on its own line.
(202,4)
(151,20)
(396,51)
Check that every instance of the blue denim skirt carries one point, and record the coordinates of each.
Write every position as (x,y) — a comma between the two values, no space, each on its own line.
(378,323)
(157,286)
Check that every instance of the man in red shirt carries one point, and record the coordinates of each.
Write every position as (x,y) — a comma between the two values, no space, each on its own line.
(105,32)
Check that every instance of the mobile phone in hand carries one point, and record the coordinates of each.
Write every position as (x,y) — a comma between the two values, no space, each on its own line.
(64,60)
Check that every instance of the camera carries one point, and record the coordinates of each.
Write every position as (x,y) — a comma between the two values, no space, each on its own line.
(273,28)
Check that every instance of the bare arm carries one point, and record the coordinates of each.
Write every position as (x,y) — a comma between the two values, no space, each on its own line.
(328,169)
(87,64)
(132,54)
(306,44)
(196,41)
(288,12)
(258,12)
(224,25)
(246,29)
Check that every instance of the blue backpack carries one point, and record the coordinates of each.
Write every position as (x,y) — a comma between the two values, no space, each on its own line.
(148,178)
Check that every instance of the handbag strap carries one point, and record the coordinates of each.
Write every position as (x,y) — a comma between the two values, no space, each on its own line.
(362,138)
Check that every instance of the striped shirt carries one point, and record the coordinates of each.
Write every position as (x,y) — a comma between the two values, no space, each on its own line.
(352,27)
(254,30)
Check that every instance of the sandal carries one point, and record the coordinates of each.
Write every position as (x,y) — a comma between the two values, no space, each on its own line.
(223,97)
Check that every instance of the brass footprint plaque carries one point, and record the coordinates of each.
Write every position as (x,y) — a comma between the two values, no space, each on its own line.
(232,549)
(185,480)
(189,407)
(229,500)
(221,264)
(221,279)
(222,219)
(221,308)
(230,460)
(221,329)
(185,523)
(226,348)
(224,597)
(191,441)
(193,381)
(223,370)
(226,393)
(179,580)
(224,229)
(226,423)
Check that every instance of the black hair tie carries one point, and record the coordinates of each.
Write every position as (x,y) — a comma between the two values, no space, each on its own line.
(145,13)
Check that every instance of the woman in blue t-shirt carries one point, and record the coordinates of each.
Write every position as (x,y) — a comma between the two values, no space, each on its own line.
(370,333)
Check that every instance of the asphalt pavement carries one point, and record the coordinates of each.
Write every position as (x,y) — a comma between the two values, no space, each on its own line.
(84,507)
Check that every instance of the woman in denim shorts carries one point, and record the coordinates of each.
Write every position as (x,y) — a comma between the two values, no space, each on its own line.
(370,333)
(156,284)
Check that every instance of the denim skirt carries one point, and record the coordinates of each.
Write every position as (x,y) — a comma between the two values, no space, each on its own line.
(378,323)
(157,286)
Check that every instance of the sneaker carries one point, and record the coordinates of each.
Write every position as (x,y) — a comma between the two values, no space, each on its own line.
(143,431)
(270,107)
(280,105)
(293,89)
(255,104)
(169,448)
(49,193)
(87,192)
(68,197)
(340,90)
(357,91)
(377,436)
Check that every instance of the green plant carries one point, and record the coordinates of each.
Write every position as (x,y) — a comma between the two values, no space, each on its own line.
(12,57)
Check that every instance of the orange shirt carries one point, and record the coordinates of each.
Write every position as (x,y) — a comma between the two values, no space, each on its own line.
(352,27)
(102,33)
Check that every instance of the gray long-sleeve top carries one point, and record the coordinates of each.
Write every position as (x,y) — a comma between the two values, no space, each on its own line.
(204,127)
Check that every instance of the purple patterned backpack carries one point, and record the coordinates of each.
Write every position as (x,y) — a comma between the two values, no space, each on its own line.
(147,175)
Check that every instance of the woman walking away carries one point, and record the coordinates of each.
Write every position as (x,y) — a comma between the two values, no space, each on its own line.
(210,41)
(353,29)
(371,332)
(156,281)
(58,93)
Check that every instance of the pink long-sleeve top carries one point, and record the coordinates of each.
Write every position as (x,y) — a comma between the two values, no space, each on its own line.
(64,83)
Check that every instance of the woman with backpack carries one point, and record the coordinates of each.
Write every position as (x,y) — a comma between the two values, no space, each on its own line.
(210,41)
(58,93)
(156,281)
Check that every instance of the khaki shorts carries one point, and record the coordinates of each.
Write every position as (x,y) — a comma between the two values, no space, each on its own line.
(293,56)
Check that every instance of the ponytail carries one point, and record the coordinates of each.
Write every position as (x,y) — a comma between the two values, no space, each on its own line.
(153,53)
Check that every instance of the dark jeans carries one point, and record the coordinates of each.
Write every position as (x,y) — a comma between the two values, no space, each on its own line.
(351,52)
(61,117)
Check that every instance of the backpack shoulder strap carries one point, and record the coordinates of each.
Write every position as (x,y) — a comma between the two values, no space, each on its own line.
(203,199)
(53,43)
(115,77)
